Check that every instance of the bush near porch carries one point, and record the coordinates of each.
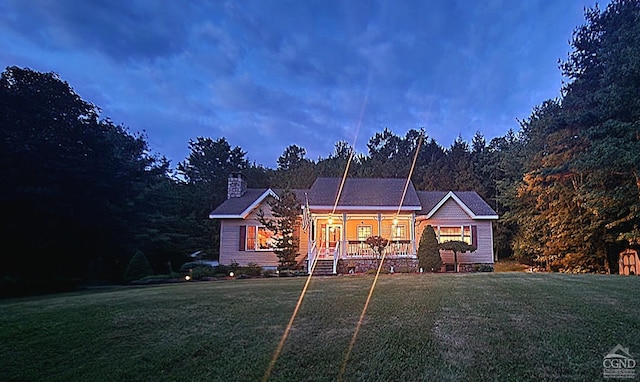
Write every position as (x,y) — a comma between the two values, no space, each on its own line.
(400,265)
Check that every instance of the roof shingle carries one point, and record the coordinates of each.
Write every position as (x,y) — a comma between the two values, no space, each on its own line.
(357,192)
(236,206)
(361,192)
(471,199)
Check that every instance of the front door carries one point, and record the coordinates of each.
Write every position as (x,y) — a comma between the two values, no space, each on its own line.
(331,235)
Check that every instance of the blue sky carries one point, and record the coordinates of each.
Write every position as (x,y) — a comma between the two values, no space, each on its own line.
(267,74)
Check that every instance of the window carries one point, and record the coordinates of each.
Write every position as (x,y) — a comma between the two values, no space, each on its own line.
(399,232)
(259,239)
(251,238)
(459,233)
(265,239)
(364,231)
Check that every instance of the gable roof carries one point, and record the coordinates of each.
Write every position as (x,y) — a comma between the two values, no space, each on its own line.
(363,194)
(381,194)
(240,208)
(472,204)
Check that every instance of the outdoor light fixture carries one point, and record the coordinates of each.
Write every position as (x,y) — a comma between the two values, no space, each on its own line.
(231,274)
(395,221)
(330,220)
(187,277)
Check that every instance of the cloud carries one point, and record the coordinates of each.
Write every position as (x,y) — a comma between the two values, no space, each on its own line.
(267,74)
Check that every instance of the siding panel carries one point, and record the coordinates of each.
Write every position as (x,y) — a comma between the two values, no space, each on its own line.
(450,214)
(230,233)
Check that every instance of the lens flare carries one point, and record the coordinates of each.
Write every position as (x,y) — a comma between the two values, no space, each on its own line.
(343,368)
(276,353)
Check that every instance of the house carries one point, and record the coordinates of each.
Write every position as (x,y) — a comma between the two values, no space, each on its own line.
(337,232)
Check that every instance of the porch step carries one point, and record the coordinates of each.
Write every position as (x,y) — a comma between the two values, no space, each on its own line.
(323,268)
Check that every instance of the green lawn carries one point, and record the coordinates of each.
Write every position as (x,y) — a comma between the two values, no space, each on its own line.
(500,326)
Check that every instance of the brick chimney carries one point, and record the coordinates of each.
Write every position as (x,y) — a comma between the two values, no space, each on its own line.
(236,185)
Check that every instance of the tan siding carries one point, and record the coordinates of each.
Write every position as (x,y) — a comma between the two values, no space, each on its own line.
(484,252)
(229,248)
(230,237)
(352,227)
(304,243)
(450,210)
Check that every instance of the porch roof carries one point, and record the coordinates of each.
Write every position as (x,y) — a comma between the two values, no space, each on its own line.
(362,194)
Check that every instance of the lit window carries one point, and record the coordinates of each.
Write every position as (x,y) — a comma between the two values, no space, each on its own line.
(399,231)
(364,231)
(251,238)
(259,239)
(459,233)
(265,238)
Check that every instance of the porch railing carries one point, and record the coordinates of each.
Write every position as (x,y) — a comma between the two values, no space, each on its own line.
(336,256)
(311,256)
(398,248)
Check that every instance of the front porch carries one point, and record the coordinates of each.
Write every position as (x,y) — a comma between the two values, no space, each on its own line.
(340,238)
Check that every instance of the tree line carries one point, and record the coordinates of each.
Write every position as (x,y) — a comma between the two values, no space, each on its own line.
(81,194)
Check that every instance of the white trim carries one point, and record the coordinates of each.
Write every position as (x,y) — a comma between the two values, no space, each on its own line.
(255,228)
(247,211)
(365,208)
(211,216)
(486,217)
(467,210)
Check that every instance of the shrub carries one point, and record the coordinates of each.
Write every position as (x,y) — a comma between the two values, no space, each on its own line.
(138,268)
(269,273)
(199,273)
(483,268)
(223,269)
(252,269)
(428,253)
(291,273)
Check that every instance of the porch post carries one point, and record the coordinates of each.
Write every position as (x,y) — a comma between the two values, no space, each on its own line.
(412,233)
(310,244)
(379,224)
(343,247)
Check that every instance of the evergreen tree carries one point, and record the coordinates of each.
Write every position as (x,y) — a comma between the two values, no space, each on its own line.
(138,268)
(294,170)
(428,251)
(71,182)
(285,211)
(206,171)
(580,196)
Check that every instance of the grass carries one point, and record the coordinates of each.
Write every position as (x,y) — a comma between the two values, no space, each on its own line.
(507,265)
(500,326)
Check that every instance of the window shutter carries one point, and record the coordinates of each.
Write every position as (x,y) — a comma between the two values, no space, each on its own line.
(243,237)
(474,236)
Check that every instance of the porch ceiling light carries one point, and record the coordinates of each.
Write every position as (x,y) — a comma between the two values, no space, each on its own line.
(330,220)
(395,221)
